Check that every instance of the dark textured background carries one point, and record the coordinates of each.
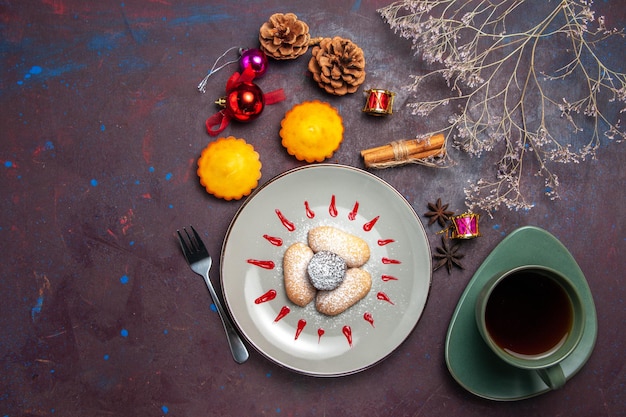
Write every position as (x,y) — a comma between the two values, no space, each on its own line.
(101,128)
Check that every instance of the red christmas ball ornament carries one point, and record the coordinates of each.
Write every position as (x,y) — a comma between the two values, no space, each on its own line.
(245,102)
(255,59)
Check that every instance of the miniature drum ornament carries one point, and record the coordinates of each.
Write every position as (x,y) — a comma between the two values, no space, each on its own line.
(379,102)
(465,226)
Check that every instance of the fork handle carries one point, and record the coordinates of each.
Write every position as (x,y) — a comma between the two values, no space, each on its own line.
(237,348)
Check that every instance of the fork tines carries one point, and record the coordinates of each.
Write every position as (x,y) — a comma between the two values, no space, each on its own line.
(190,244)
(195,242)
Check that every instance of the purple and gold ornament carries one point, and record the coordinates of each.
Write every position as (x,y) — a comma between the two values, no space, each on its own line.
(465,226)
(255,59)
(252,58)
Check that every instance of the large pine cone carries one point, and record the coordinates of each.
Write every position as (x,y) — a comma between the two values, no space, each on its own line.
(283,36)
(338,65)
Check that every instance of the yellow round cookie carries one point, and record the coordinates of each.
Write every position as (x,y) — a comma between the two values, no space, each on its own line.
(312,131)
(229,168)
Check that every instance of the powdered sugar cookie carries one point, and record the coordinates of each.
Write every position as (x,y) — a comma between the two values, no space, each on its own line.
(326,270)
(354,250)
(297,285)
(356,284)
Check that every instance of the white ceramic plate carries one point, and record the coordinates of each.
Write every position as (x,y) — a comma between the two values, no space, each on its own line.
(279,214)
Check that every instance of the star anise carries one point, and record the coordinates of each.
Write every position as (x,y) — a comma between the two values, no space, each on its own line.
(448,255)
(438,213)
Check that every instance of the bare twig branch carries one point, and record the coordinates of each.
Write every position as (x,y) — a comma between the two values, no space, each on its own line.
(507,92)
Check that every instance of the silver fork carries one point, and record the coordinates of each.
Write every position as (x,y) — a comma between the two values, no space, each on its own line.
(200,262)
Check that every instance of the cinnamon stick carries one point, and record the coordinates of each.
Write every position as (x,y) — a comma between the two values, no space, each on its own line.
(405,151)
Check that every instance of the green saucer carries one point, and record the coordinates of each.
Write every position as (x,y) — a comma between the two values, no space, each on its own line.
(471,362)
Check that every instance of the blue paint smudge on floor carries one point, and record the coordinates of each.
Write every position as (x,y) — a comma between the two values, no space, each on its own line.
(37,307)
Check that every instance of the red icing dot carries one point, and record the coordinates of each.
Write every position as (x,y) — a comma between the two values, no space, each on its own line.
(276,241)
(320,333)
(347,332)
(370,225)
(268,296)
(355,209)
(262,264)
(309,213)
(332,209)
(288,225)
(388,278)
(283,312)
(384,297)
(301,324)
(388,261)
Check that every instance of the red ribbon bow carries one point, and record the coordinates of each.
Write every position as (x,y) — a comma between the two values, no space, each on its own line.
(218,122)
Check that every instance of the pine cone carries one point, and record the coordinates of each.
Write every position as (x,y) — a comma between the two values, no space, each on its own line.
(338,65)
(283,36)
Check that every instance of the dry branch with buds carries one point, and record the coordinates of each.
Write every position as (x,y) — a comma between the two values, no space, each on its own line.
(511,65)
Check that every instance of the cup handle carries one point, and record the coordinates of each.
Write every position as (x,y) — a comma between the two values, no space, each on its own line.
(553,376)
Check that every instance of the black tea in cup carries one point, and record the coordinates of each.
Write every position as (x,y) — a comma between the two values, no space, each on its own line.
(529,314)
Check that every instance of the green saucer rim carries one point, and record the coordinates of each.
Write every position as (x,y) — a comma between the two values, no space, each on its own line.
(470,357)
